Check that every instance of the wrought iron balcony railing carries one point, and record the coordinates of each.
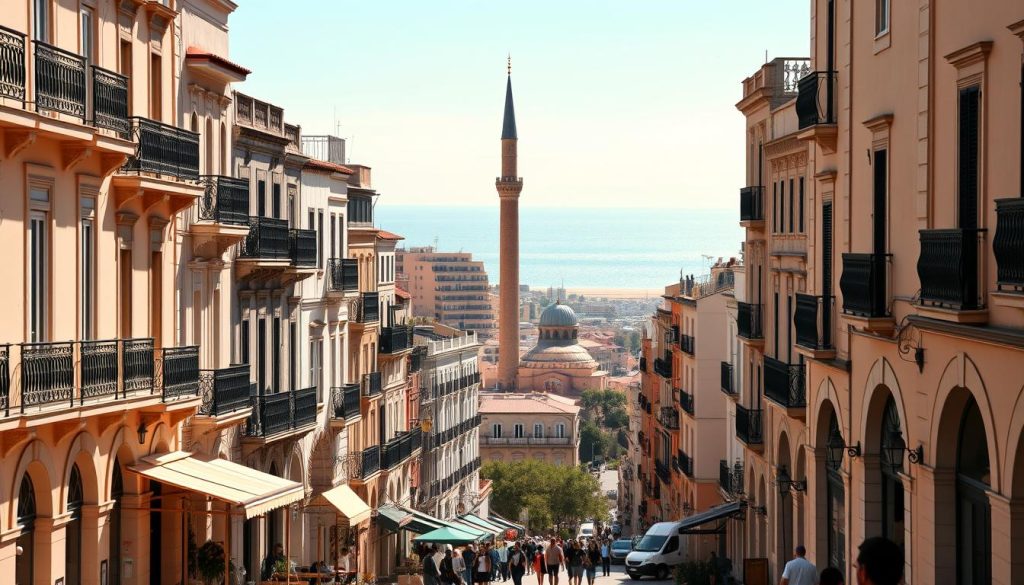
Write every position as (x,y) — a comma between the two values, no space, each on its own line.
(948,268)
(164,150)
(784,383)
(752,203)
(395,339)
(400,449)
(60,80)
(748,425)
(343,274)
(728,385)
(748,321)
(267,239)
(365,463)
(669,418)
(302,247)
(179,371)
(12,64)
(345,401)
(864,284)
(813,320)
(685,463)
(1008,244)
(110,101)
(816,99)
(686,401)
(371,384)
(661,469)
(225,200)
(369,308)
(663,367)
(280,412)
(225,390)
(138,364)
(688,344)
(730,478)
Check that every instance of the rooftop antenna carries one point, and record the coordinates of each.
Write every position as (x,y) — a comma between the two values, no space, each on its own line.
(766,55)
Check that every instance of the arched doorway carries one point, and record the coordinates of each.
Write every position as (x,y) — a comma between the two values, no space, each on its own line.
(835,497)
(73,530)
(893,522)
(114,524)
(784,501)
(973,511)
(25,562)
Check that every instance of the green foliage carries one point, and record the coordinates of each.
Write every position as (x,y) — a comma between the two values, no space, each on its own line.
(694,573)
(634,342)
(599,403)
(616,418)
(594,442)
(554,496)
(210,562)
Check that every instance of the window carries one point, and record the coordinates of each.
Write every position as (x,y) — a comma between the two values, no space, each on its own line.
(968,163)
(276,194)
(801,205)
(560,430)
(87,40)
(538,431)
(38,267)
(24,563)
(156,87)
(275,375)
(73,530)
(125,68)
(320,238)
(243,342)
(496,431)
(881,17)
(87,267)
(261,194)
(518,431)
(41,18)
(334,221)
(792,205)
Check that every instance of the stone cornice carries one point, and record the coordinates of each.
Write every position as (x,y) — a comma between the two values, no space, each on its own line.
(879,122)
(1017,28)
(969,55)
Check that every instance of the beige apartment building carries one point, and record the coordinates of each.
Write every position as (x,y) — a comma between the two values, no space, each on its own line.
(447,287)
(536,425)
(882,324)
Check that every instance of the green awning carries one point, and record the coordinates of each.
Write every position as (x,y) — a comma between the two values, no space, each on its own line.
(483,524)
(392,518)
(471,529)
(499,521)
(446,535)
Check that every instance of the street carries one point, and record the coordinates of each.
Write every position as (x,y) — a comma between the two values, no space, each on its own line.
(618,577)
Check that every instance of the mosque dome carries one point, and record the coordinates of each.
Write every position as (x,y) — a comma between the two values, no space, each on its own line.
(558,315)
(544,355)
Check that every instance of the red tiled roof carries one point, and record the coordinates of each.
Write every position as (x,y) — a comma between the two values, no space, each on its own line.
(386,235)
(402,293)
(201,55)
(322,165)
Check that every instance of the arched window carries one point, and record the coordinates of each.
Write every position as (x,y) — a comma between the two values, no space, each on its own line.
(892,485)
(973,511)
(225,168)
(73,530)
(208,138)
(114,522)
(194,123)
(24,563)
(835,501)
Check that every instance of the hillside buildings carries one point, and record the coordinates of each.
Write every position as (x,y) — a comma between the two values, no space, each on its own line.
(447,287)
(535,425)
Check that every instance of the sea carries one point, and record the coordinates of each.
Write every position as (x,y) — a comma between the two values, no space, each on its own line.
(598,248)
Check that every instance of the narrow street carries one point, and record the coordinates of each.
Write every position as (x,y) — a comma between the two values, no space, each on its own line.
(617,577)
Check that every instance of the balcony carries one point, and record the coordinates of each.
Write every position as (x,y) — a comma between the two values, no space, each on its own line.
(813,320)
(226,392)
(178,372)
(864,284)
(225,200)
(1008,245)
(285,414)
(371,384)
(751,205)
(784,385)
(816,108)
(748,322)
(669,418)
(302,247)
(730,478)
(688,344)
(488,440)
(365,464)
(345,404)
(663,367)
(110,101)
(59,80)
(400,449)
(948,269)
(395,339)
(661,469)
(748,426)
(267,240)
(685,463)
(728,385)
(342,275)
(164,150)
(686,402)
(368,309)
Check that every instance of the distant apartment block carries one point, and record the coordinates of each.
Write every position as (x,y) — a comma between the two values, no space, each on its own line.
(449,287)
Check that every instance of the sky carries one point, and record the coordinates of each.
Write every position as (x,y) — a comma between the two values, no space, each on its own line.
(627,102)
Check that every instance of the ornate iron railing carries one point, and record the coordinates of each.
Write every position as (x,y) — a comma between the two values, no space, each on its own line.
(5,375)
(663,367)
(371,384)
(752,203)
(225,200)
(748,425)
(748,321)
(271,414)
(304,407)
(99,369)
(948,268)
(302,247)
(1008,244)
(730,478)
(12,64)
(669,417)
(110,101)
(47,374)
(60,80)
(163,149)
(267,239)
(685,463)
(369,307)
(138,363)
(343,273)
(345,401)
(688,344)
(686,401)
(864,284)
(784,383)
(225,390)
(395,339)
(816,99)
(813,320)
(179,372)
(728,385)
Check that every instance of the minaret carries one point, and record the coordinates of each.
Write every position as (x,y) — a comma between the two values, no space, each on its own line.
(509,186)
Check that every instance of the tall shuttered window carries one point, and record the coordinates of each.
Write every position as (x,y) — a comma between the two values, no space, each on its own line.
(792,205)
(967,171)
(38,265)
(87,268)
(881,196)
(801,205)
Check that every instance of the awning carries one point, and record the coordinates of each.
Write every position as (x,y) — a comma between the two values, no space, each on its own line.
(690,524)
(392,518)
(254,491)
(499,521)
(348,504)
(446,535)
(467,527)
(421,523)
(483,524)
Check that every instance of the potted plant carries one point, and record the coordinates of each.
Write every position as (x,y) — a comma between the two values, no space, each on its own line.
(210,562)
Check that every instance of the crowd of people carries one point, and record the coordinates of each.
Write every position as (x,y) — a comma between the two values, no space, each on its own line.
(491,562)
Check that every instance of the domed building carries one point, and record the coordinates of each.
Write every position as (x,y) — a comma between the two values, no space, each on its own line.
(558,363)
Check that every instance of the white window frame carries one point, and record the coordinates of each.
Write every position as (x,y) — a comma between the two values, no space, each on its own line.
(87,266)
(519,431)
(87,32)
(496,430)
(883,15)
(41,15)
(560,431)
(538,430)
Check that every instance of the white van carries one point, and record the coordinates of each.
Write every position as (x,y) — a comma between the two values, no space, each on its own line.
(657,553)
(586,530)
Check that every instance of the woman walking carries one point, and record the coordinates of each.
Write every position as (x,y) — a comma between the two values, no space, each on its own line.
(517,564)
(593,558)
(538,564)
(484,567)
(606,558)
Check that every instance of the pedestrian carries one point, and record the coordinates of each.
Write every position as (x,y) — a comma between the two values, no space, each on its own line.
(574,562)
(492,551)
(484,567)
(448,574)
(799,571)
(553,558)
(517,563)
(831,576)
(468,556)
(431,572)
(503,560)
(530,548)
(593,558)
(538,564)
(606,558)
(879,562)
(459,566)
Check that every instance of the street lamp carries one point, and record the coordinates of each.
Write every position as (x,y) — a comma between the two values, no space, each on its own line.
(785,483)
(895,448)
(836,448)
(142,433)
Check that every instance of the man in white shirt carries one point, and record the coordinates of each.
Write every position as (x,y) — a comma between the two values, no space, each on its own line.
(799,571)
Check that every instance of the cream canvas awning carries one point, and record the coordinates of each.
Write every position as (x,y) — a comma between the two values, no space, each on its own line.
(348,503)
(254,491)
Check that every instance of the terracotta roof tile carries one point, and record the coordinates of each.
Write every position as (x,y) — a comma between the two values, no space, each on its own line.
(322,165)
(402,293)
(526,403)
(386,235)
(198,54)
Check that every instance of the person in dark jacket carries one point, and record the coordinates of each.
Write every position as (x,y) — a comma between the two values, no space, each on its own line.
(517,563)
(447,569)
(431,572)
(468,556)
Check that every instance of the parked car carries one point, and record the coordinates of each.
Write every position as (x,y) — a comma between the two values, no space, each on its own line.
(613,494)
(657,553)
(586,530)
(620,549)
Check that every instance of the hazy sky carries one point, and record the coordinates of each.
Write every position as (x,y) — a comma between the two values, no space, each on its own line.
(627,102)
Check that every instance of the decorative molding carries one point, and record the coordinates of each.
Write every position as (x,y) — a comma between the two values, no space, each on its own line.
(17,140)
(879,123)
(969,55)
(1017,28)
(73,153)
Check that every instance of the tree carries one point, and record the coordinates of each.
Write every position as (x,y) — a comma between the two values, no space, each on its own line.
(600,402)
(616,418)
(554,495)
(634,342)
(594,441)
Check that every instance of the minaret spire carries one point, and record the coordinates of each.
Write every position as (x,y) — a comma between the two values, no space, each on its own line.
(508,126)
(509,186)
